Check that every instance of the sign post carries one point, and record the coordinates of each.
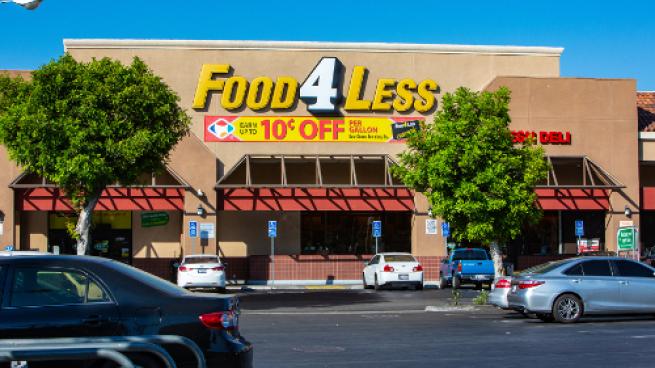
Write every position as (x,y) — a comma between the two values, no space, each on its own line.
(272,233)
(445,230)
(579,232)
(377,233)
(193,234)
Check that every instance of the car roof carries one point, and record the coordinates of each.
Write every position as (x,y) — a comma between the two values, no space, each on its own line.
(21,253)
(53,257)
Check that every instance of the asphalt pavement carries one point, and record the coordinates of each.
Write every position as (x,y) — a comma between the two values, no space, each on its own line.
(364,328)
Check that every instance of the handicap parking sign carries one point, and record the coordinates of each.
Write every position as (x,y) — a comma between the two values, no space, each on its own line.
(445,229)
(377,229)
(272,229)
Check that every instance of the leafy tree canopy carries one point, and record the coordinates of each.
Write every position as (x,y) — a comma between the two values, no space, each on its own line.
(472,174)
(84,126)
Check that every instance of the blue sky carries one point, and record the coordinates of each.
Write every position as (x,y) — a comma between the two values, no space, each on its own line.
(601,38)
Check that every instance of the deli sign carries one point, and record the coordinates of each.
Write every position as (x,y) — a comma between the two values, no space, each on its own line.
(323,90)
(543,137)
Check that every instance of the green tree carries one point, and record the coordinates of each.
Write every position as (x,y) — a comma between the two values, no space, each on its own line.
(472,174)
(83,126)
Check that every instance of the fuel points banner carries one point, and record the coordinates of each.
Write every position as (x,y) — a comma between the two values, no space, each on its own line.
(308,129)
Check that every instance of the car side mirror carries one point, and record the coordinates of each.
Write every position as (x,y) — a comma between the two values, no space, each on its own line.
(365,263)
(225,264)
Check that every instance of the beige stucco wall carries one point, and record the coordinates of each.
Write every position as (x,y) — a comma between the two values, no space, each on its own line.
(245,233)
(35,233)
(157,241)
(601,115)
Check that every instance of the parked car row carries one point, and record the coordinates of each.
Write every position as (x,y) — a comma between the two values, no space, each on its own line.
(566,290)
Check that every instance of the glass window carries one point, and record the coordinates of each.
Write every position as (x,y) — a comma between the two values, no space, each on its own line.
(197,260)
(96,294)
(596,268)
(148,279)
(375,260)
(575,270)
(545,267)
(34,287)
(632,269)
(470,254)
(399,258)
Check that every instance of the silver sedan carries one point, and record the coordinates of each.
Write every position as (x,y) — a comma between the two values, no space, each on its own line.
(566,290)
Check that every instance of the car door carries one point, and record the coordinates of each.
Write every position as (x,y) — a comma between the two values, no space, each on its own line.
(636,285)
(597,287)
(42,301)
(370,269)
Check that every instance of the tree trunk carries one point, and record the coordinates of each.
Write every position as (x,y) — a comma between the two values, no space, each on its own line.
(83,226)
(497,257)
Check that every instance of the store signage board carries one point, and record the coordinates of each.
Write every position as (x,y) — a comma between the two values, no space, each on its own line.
(207,230)
(321,90)
(445,229)
(152,219)
(626,238)
(579,228)
(377,229)
(272,229)
(362,129)
(626,223)
(193,229)
(431,226)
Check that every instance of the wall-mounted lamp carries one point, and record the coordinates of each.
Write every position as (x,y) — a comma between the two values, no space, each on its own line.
(200,211)
(627,211)
(200,193)
(429,212)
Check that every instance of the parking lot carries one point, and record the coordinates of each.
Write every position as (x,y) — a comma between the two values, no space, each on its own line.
(397,328)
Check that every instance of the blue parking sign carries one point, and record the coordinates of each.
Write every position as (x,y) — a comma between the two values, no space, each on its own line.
(272,229)
(445,229)
(579,228)
(377,229)
(193,229)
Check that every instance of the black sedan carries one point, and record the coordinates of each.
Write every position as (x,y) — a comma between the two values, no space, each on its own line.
(78,296)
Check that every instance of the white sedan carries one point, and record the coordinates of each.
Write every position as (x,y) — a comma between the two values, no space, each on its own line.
(201,271)
(393,269)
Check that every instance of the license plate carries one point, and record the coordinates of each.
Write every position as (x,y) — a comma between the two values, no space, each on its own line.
(403,277)
(480,277)
(202,270)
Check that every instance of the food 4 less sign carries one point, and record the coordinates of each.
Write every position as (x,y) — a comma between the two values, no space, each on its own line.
(323,92)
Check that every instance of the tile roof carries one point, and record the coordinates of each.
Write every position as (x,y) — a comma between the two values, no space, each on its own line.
(646,111)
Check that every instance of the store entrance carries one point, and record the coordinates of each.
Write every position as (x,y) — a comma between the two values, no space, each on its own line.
(111,234)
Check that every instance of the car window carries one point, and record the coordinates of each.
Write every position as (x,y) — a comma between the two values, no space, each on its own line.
(375,260)
(470,254)
(575,270)
(399,258)
(196,260)
(34,287)
(632,269)
(597,268)
(96,294)
(147,279)
(544,267)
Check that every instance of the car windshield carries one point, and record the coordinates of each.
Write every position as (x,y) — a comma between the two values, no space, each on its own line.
(470,254)
(196,260)
(544,267)
(148,279)
(399,258)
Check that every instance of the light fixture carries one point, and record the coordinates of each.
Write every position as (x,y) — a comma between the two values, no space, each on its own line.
(27,4)
(627,211)
(200,193)
(200,211)
(429,212)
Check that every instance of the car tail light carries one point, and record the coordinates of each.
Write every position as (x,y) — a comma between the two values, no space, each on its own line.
(503,284)
(418,268)
(459,267)
(218,268)
(220,320)
(527,284)
(182,269)
(387,268)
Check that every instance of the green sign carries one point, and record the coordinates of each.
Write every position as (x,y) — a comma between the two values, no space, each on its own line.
(625,238)
(150,219)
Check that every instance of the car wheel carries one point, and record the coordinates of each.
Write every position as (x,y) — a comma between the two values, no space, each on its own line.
(546,317)
(567,308)
(443,283)
(377,286)
(457,282)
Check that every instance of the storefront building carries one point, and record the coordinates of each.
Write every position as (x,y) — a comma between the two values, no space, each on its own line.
(305,133)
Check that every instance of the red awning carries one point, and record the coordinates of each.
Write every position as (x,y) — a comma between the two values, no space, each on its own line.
(165,192)
(317,199)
